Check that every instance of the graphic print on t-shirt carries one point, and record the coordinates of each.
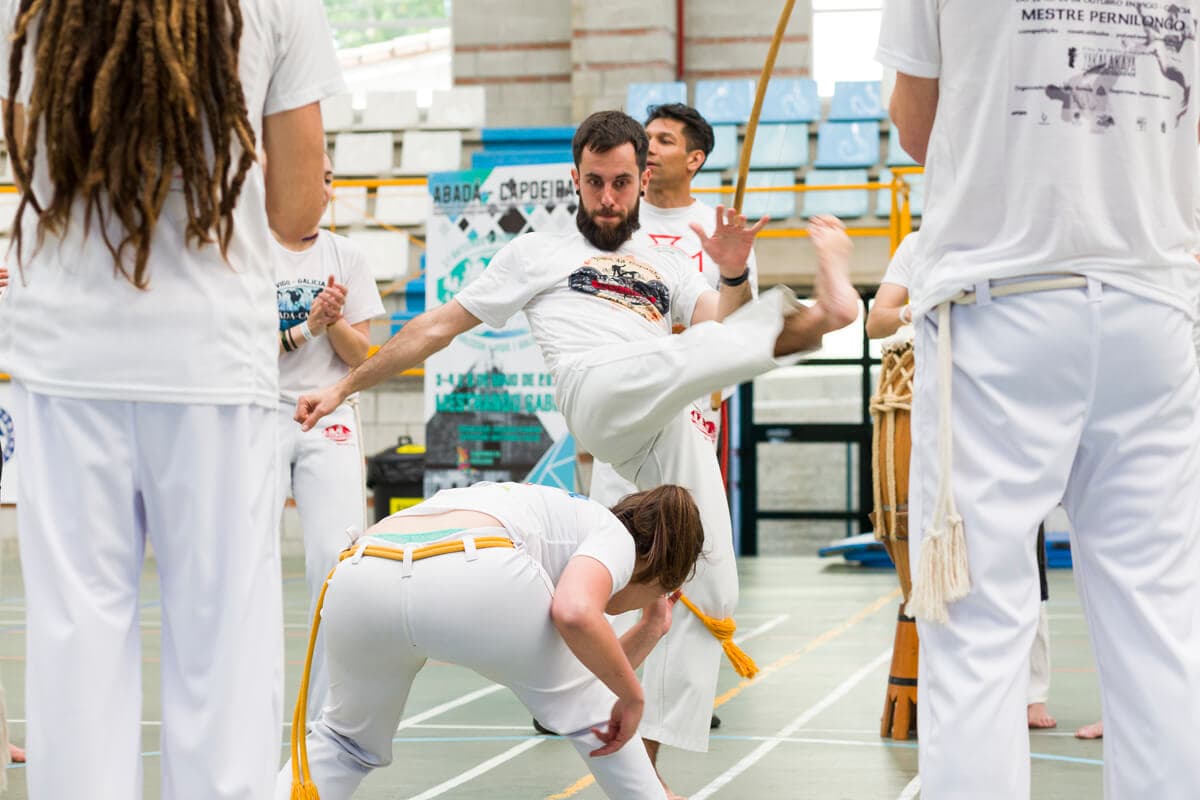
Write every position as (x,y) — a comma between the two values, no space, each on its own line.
(1101,67)
(672,240)
(295,298)
(626,282)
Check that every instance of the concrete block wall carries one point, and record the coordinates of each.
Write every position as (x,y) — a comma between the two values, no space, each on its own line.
(616,43)
(520,52)
(724,40)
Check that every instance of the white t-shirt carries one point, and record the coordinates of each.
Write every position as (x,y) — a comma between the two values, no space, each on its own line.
(671,227)
(206,330)
(578,297)
(1065,140)
(553,525)
(900,268)
(299,278)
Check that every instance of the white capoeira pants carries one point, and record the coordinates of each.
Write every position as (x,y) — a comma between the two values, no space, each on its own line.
(382,621)
(99,479)
(1090,396)
(630,405)
(1039,660)
(323,468)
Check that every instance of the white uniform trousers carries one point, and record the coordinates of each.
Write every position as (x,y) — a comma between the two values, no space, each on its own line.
(323,468)
(99,478)
(630,405)
(1039,660)
(1092,396)
(383,620)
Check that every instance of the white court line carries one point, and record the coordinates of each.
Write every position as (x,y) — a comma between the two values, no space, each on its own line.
(761,629)
(478,770)
(438,726)
(912,790)
(792,727)
(470,697)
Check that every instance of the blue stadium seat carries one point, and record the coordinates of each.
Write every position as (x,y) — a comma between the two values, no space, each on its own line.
(725,148)
(780,144)
(487,159)
(791,100)
(711,180)
(847,145)
(847,204)
(725,101)
(896,156)
(916,194)
(856,100)
(776,205)
(506,146)
(414,301)
(639,97)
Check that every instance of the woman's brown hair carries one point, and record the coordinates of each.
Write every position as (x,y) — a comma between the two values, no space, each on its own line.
(125,95)
(666,530)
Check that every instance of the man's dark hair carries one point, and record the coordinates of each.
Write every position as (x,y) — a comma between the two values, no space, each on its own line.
(696,130)
(606,130)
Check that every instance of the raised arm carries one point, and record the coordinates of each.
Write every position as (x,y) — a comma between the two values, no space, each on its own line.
(729,247)
(913,107)
(416,341)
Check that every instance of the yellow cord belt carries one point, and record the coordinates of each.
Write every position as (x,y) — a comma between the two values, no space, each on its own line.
(302,786)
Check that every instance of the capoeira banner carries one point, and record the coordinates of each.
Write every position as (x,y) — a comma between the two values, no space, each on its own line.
(490,412)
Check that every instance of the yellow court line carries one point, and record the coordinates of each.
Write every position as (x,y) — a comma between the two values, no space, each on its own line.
(826,637)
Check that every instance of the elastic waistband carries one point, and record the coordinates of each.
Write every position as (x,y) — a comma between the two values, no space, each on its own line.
(467,544)
(984,291)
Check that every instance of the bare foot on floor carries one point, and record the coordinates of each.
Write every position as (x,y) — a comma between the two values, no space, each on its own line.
(837,302)
(1093,731)
(1039,717)
(16,754)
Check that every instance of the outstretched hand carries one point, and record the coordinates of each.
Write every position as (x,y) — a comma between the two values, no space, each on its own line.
(731,241)
(622,725)
(310,408)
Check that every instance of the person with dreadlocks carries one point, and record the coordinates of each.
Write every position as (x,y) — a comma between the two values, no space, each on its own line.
(146,373)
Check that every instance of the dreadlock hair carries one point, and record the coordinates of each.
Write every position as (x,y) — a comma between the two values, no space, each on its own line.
(125,95)
(667,535)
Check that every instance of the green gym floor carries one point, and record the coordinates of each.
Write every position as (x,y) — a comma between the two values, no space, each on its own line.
(807,727)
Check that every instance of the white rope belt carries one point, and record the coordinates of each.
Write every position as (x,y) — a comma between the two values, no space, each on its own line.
(942,575)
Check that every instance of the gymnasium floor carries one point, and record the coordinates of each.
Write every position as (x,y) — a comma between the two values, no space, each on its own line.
(807,727)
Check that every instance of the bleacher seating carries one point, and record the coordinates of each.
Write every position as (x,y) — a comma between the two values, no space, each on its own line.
(402,205)
(363,154)
(725,148)
(916,194)
(463,107)
(791,100)
(896,156)
(847,145)
(776,205)
(639,97)
(505,146)
(847,204)
(390,111)
(348,207)
(337,113)
(423,152)
(414,302)
(855,101)
(780,144)
(725,101)
(386,252)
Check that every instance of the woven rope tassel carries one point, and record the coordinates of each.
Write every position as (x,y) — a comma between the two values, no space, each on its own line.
(943,575)
(723,630)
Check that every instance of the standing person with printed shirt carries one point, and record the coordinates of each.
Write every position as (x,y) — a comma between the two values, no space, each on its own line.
(600,307)
(327,297)
(680,142)
(141,332)
(1061,153)
(550,564)
(890,312)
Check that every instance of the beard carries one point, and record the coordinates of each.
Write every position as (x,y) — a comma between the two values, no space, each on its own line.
(608,238)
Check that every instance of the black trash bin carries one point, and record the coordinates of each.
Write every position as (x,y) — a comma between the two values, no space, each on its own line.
(397,476)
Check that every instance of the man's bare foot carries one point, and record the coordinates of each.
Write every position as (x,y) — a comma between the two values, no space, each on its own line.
(837,302)
(16,754)
(1093,731)
(1039,717)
